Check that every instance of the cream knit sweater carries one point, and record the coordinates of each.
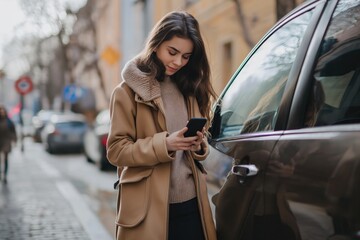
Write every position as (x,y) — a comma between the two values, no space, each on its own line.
(182,186)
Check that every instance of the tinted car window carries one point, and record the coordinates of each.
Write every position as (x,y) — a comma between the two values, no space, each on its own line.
(337,70)
(251,104)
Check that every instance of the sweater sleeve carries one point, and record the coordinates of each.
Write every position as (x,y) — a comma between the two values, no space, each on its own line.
(123,147)
(203,153)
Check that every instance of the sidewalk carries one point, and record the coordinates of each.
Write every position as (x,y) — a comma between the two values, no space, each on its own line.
(37,203)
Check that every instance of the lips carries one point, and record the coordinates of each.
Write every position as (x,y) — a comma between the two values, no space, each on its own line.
(172,69)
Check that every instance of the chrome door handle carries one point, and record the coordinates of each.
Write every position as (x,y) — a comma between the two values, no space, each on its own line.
(244,170)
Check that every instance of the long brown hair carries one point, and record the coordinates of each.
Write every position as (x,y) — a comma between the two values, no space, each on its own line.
(194,78)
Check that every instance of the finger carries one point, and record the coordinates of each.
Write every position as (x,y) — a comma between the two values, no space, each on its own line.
(182,131)
(191,140)
(200,134)
(186,145)
(198,141)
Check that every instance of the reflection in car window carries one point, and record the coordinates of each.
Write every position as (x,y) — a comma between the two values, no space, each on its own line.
(251,103)
(338,67)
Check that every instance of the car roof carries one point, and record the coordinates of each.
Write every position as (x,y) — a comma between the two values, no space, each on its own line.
(59,118)
(46,114)
(103,117)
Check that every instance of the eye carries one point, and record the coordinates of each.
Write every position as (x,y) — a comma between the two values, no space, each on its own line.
(172,53)
(186,57)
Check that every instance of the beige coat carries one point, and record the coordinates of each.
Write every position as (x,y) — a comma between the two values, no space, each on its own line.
(136,145)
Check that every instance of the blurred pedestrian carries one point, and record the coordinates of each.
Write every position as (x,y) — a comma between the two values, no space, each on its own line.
(162,189)
(7,137)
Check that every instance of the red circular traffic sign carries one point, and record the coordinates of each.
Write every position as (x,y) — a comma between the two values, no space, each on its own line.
(23,85)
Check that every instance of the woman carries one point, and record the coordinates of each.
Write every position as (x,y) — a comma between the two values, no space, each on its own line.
(162,189)
(7,136)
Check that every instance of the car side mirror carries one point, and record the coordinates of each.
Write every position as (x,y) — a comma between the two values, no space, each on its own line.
(216,123)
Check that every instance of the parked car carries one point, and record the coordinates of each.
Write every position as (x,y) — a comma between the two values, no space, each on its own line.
(95,141)
(39,121)
(289,120)
(64,133)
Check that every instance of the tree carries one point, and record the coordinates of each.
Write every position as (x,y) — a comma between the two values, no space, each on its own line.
(283,7)
(243,24)
(87,17)
(40,45)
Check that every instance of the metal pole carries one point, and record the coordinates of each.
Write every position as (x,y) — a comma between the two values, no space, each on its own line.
(21,122)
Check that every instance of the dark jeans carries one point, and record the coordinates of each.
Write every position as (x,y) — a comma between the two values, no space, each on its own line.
(185,221)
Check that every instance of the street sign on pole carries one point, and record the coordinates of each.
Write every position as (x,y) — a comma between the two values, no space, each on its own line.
(72,93)
(24,85)
(110,55)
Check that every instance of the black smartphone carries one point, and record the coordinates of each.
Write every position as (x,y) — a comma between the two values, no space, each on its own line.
(194,125)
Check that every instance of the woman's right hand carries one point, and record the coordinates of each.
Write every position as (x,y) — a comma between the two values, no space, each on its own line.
(177,141)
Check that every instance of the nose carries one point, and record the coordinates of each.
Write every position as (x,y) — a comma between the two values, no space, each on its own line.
(178,60)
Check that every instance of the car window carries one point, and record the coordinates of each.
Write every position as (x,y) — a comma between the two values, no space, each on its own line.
(337,70)
(252,101)
(70,125)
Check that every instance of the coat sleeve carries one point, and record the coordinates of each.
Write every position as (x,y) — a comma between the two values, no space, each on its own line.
(123,147)
(12,130)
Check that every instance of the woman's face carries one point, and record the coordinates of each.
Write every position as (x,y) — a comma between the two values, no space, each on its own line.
(174,54)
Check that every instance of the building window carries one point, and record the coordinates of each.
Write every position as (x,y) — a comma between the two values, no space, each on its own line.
(227,61)
(190,2)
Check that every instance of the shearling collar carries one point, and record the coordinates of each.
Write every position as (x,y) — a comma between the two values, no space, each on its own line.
(144,85)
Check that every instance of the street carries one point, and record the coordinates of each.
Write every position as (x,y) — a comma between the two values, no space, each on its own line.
(55,197)
(51,196)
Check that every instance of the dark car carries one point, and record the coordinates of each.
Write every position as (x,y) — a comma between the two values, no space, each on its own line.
(288,123)
(95,141)
(64,133)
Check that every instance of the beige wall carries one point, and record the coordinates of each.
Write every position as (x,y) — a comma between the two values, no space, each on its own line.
(108,23)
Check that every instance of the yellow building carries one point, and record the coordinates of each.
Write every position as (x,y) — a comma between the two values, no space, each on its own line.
(95,50)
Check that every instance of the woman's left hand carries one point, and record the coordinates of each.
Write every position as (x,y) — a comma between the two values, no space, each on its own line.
(196,145)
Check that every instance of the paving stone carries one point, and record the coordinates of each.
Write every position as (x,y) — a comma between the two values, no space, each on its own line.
(31,207)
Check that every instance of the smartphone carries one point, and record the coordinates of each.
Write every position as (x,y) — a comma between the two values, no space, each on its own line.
(194,125)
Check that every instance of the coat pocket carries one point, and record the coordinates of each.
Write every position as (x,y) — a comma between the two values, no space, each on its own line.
(134,196)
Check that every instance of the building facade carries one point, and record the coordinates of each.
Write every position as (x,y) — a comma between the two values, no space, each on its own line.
(230,29)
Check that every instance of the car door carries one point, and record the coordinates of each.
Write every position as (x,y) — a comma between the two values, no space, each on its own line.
(249,121)
(314,170)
